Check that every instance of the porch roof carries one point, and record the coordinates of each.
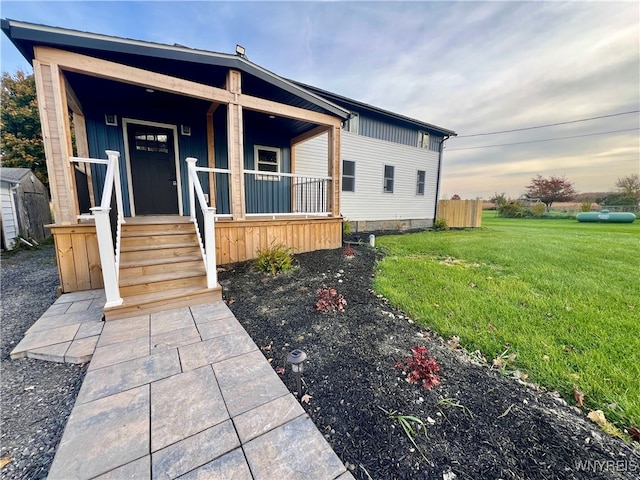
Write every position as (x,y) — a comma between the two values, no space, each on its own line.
(204,66)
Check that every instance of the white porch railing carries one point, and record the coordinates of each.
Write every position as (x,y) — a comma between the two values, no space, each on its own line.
(270,193)
(109,256)
(208,247)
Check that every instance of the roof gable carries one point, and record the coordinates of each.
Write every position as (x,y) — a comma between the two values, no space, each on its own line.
(168,59)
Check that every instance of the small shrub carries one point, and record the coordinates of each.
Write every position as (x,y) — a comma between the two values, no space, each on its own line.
(440,224)
(512,210)
(349,251)
(585,207)
(274,259)
(329,300)
(538,210)
(421,368)
(347,228)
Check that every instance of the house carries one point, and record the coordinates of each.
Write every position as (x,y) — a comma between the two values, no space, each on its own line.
(390,166)
(25,206)
(185,159)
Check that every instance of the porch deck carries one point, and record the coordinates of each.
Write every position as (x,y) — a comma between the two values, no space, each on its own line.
(181,393)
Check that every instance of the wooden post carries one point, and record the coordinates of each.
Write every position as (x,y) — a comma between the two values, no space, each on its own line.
(235,146)
(191,163)
(333,156)
(211,153)
(54,121)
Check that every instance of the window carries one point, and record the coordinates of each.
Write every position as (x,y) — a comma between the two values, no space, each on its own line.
(420,183)
(353,123)
(152,142)
(423,140)
(348,176)
(388,178)
(267,160)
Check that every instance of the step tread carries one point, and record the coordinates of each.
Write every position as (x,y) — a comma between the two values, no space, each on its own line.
(159,301)
(162,246)
(162,277)
(148,262)
(142,298)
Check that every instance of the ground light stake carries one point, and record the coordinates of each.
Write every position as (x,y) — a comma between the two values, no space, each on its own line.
(296,358)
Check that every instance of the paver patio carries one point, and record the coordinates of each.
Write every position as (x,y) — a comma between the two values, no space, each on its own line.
(183,393)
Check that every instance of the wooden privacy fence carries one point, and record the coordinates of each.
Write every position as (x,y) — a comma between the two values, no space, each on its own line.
(461,213)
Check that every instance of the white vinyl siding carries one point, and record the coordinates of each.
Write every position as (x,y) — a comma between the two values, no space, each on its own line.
(369,203)
(9,219)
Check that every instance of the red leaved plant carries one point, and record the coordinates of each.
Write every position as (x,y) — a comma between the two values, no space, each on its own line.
(329,300)
(421,368)
(349,251)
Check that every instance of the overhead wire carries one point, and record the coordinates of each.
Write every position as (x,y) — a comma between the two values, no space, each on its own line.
(547,125)
(543,140)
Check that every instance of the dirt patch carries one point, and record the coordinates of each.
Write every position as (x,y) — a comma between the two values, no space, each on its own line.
(500,428)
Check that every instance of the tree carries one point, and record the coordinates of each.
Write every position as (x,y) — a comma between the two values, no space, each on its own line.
(629,187)
(549,190)
(21,141)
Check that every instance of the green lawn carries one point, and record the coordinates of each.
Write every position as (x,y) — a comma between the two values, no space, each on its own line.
(563,296)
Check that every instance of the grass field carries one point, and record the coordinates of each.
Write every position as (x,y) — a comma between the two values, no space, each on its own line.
(562,296)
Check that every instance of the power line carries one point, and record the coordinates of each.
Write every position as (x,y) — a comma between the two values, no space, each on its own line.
(547,125)
(544,140)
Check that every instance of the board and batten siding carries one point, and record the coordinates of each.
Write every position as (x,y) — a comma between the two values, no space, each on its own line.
(369,202)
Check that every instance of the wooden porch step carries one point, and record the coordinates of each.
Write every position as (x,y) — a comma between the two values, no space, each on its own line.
(133,261)
(150,270)
(164,300)
(149,252)
(153,283)
(156,246)
(144,230)
(154,240)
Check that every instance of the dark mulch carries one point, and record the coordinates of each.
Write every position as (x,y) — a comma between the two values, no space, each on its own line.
(510,431)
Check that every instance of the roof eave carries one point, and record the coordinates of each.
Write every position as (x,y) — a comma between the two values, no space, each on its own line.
(21,33)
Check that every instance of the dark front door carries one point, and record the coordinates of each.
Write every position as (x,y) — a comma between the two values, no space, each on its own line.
(153,170)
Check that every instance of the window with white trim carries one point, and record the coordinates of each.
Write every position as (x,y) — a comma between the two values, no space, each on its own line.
(423,140)
(267,160)
(420,182)
(389,173)
(348,176)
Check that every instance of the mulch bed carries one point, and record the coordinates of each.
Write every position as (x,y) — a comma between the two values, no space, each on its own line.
(506,430)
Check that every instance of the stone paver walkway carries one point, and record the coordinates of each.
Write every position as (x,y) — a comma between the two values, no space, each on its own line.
(183,393)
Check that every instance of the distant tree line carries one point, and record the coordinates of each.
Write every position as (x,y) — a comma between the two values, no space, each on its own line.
(543,192)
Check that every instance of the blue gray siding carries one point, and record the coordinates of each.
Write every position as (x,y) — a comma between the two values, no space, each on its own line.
(102,137)
(395,132)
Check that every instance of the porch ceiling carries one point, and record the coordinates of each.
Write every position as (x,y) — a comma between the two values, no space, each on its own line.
(98,93)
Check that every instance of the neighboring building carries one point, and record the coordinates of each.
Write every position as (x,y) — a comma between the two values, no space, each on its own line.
(25,206)
(267,153)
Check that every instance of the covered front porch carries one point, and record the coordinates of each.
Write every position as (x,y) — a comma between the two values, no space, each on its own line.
(217,149)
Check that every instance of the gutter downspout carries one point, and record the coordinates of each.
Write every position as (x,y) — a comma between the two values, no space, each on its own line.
(435,209)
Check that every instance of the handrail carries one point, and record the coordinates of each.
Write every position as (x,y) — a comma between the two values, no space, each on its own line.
(293,175)
(109,256)
(208,247)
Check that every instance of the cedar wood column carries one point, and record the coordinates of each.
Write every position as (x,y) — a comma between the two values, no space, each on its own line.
(235,146)
(52,105)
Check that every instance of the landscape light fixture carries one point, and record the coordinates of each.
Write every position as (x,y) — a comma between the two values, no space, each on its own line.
(296,358)
(240,50)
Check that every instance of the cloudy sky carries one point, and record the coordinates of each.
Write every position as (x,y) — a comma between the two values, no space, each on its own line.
(473,67)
